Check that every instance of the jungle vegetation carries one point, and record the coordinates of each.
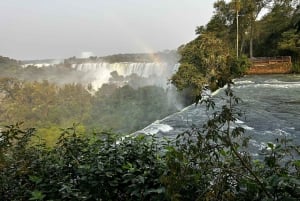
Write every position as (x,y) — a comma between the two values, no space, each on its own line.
(206,163)
(49,107)
(265,28)
(210,162)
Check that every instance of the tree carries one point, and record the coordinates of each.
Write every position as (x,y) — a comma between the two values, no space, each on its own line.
(203,61)
(221,24)
(289,43)
(211,162)
(125,109)
(249,13)
(296,20)
(271,27)
(73,104)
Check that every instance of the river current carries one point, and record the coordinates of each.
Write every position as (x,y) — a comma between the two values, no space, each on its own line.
(270,103)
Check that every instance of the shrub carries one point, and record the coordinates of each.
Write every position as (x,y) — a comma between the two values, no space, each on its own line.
(204,163)
(78,168)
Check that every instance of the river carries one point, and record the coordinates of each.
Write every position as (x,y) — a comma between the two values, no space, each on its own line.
(271,106)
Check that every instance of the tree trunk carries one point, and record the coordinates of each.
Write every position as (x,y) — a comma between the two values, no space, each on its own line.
(251,47)
(251,39)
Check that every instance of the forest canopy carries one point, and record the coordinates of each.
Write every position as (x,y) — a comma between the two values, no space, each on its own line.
(211,162)
(238,30)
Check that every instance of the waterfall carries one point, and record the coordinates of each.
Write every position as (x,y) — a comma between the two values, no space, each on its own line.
(98,73)
(127,68)
(101,71)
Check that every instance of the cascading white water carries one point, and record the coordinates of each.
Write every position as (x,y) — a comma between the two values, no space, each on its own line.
(125,69)
(101,71)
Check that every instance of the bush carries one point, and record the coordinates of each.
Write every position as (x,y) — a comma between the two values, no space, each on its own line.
(212,162)
(205,163)
(296,67)
(78,168)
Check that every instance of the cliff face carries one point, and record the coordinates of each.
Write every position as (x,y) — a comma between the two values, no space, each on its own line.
(270,65)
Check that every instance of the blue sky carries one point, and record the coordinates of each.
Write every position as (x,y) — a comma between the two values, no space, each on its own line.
(36,29)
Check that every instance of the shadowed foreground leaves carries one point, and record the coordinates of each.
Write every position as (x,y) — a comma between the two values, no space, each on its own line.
(205,163)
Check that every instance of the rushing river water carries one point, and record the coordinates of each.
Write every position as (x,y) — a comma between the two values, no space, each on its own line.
(271,104)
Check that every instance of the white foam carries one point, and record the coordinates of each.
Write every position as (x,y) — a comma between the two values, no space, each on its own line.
(243,82)
(272,81)
(39,65)
(247,127)
(237,121)
(282,86)
(277,132)
(260,146)
(275,81)
(218,90)
(156,127)
(244,126)
(275,86)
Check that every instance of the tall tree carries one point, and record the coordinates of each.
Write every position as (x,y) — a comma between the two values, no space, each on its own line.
(236,16)
(272,25)
(204,61)
(221,23)
(289,43)
(249,13)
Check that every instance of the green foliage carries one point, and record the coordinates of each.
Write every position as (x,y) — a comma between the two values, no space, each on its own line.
(259,36)
(79,168)
(289,44)
(42,103)
(238,67)
(13,156)
(125,109)
(276,31)
(210,59)
(203,61)
(206,158)
(211,162)
(8,67)
(49,107)
(206,163)
(188,76)
(207,61)
(296,67)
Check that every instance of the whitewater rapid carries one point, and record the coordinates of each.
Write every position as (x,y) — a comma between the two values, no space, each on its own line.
(270,103)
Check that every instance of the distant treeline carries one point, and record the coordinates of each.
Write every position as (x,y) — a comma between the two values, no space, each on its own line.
(165,56)
(60,75)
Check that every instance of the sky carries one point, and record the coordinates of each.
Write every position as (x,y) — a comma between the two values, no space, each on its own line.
(42,29)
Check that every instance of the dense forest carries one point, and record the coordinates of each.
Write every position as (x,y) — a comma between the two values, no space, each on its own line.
(40,160)
(223,47)
(49,107)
